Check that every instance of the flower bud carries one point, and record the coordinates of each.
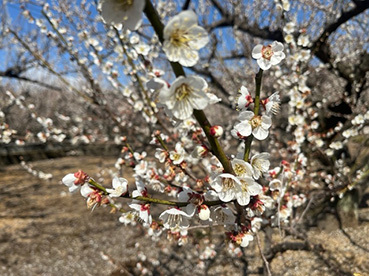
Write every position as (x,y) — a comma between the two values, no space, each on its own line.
(204,212)
(216,131)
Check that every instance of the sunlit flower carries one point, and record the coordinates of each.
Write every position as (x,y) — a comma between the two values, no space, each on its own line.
(178,155)
(74,180)
(260,164)
(183,38)
(241,168)
(253,124)
(289,28)
(226,185)
(247,189)
(185,95)
(246,239)
(336,145)
(127,12)
(269,55)
(142,49)
(119,187)
(245,99)
(303,40)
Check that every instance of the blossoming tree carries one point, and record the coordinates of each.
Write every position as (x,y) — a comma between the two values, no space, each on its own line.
(166,67)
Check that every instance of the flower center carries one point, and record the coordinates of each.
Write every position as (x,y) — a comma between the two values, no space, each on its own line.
(239,169)
(228,183)
(244,186)
(178,38)
(174,220)
(267,52)
(183,92)
(255,121)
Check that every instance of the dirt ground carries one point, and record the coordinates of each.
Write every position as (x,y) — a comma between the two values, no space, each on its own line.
(44,230)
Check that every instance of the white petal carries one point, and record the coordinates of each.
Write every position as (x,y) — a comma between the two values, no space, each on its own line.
(227,195)
(260,133)
(86,190)
(256,52)
(246,115)
(277,46)
(264,64)
(69,179)
(244,128)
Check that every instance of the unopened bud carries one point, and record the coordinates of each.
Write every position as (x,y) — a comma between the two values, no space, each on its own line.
(204,212)
(216,131)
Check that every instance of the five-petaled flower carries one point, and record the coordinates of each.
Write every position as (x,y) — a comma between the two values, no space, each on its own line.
(185,95)
(119,187)
(183,38)
(269,55)
(257,125)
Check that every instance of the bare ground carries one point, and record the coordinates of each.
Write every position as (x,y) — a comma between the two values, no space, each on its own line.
(44,230)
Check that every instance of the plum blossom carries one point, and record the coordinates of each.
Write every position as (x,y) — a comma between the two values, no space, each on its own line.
(269,55)
(183,38)
(128,12)
(246,239)
(260,164)
(247,189)
(253,124)
(289,28)
(119,187)
(245,99)
(303,40)
(195,201)
(144,212)
(185,95)
(141,189)
(272,104)
(175,219)
(216,131)
(178,155)
(204,212)
(241,168)
(74,180)
(226,185)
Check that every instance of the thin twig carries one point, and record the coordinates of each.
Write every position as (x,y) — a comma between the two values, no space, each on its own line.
(266,263)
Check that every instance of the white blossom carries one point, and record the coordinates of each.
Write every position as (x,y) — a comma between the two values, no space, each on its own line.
(245,99)
(119,187)
(253,124)
(185,95)
(269,55)
(226,185)
(247,189)
(183,38)
(175,219)
(260,164)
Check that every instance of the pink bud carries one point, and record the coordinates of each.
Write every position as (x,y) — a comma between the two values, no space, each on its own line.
(216,131)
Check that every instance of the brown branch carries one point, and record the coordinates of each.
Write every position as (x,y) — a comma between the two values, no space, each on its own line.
(14,75)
